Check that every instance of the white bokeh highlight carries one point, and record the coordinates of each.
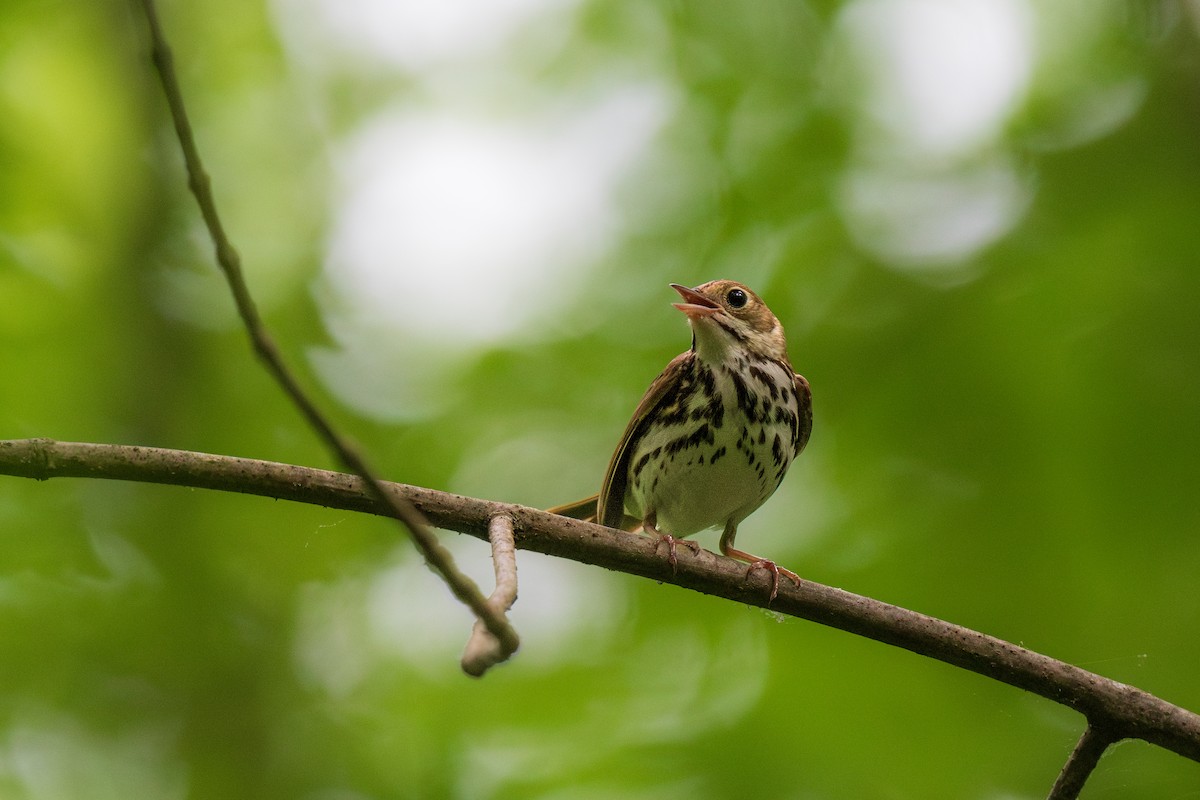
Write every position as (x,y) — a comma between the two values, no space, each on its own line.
(929,184)
(922,221)
(941,78)
(460,227)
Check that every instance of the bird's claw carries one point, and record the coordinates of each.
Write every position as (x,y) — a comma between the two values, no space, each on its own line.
(671,542)
(775,570)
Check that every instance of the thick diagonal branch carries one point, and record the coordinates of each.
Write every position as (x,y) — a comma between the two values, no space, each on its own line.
(438,558)
(1122,711)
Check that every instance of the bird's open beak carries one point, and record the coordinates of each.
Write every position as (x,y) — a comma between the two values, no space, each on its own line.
(697,306)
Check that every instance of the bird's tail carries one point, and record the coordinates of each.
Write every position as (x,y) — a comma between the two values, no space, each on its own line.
(585,510)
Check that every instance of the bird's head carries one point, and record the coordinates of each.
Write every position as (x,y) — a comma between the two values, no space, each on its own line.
(725,316)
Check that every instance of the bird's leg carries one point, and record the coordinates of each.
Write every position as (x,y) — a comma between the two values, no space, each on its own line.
(650,526)
(754,561)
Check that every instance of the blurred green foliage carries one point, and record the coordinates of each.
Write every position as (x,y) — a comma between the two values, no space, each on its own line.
(1001,332)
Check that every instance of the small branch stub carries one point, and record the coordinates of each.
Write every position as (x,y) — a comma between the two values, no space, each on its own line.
(1079,766)
(484,650)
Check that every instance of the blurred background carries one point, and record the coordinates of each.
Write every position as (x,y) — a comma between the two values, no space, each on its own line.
(979,222)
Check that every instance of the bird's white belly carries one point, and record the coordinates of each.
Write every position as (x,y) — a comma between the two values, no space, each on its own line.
(692,498)
(709,484)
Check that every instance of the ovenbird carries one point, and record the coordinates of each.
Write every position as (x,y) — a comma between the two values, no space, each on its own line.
(714,433)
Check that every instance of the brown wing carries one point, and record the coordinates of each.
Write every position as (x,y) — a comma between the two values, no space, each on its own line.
(804,402)
(611,503)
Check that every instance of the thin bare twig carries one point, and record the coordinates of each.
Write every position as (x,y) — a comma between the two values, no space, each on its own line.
(1128,712)
(1081,763)
(436,556)
(483,650)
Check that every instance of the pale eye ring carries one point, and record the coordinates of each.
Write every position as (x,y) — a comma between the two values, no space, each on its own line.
(737,298)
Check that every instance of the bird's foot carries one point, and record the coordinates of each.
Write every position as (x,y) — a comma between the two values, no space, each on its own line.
(776,571)
(754,561)
(670,541)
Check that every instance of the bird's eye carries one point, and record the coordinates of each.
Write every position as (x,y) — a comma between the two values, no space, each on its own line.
(736,298)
